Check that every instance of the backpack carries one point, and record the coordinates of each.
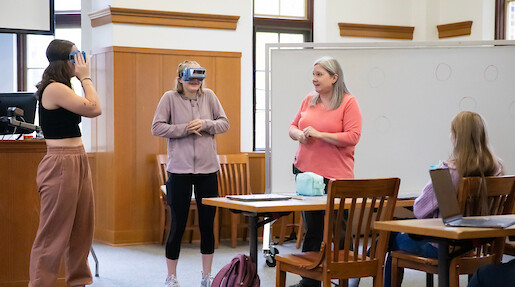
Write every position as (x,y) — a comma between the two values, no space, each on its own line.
(241,272)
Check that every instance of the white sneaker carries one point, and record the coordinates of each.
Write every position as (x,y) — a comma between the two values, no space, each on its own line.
(171,281)
(206,280)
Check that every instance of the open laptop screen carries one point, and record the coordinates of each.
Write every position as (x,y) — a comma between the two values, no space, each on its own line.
(445,192)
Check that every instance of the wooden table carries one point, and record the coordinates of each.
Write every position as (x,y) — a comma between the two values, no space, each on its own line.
(434,230)
(272,210)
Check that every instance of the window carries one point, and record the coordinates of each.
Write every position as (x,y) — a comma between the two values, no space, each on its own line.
(275,21)
(30,48)
(510,20)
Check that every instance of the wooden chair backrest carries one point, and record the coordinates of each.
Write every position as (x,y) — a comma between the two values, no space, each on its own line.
(500,200)
(162,174)
(378,196)
(500,195)
(234,175)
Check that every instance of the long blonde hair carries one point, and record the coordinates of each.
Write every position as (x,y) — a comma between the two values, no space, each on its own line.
(471,154)
(332,67)
(178,85)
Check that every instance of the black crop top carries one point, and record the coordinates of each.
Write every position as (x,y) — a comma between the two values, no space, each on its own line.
(59,123)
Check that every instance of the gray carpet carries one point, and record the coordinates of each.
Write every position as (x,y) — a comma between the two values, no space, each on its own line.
(138,266)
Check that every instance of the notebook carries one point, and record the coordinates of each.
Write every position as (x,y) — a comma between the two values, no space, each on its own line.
(449,207)
(258,197)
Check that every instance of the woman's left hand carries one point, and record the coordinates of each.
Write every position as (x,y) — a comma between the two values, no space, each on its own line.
(195,126)
(311,132)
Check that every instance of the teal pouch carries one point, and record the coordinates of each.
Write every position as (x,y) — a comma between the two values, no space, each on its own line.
(310,184)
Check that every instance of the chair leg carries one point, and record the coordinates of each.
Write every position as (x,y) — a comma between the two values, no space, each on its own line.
(300,232)
(192,220)
(454,276)
(282,232)
(343,282)
(216,227)
(234,229)
(244,227)
(280,276)
(395,273)
(162,225)
(326,282)
(429,280)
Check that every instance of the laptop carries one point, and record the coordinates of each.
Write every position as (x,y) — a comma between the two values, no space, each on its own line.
(258,197)
(449,207)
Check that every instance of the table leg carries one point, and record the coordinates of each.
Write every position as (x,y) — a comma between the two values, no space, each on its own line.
(443,263)
(253,237)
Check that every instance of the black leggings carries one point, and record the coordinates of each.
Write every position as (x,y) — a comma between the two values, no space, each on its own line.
(178,193)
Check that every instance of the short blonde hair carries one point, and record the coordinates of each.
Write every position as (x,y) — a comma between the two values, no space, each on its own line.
(178,85)
(332,66)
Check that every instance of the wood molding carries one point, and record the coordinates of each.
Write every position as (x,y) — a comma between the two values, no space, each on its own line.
(136,50)
(162,18)
(454,29)
(376,31)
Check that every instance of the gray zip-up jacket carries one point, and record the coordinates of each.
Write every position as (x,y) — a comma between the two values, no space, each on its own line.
(187,151)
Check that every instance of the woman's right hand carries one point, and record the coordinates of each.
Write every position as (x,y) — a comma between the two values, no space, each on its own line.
(301,137)
(81,67)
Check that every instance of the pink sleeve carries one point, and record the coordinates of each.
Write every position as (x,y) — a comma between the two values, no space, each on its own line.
(426,205)
(351,124)
(302,108)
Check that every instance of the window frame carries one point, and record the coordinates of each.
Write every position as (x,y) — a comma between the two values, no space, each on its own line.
(277,24)
(63,19)
(501,18)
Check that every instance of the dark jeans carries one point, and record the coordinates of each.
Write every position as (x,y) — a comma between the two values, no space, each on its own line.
(178,193)
(403,242)
(498,275)
(314,224)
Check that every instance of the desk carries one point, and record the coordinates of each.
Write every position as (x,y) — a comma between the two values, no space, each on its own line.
(271,210)
(433,229)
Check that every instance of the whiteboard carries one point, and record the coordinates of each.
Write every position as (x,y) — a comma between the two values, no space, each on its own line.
(408,97)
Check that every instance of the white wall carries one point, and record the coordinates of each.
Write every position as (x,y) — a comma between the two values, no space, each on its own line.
(239,40)
(424,15)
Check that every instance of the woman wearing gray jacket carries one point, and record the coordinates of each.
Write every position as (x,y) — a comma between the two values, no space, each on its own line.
(189,117)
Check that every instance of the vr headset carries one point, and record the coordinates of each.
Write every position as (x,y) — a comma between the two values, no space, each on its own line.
(73,53)
(193,73)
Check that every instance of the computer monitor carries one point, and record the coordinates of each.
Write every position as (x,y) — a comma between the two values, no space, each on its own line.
(22,100)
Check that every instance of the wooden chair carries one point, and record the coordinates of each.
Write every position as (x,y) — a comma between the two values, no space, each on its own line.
(165,218)
(284,225)
(367,255)
(500,199)
(233,178)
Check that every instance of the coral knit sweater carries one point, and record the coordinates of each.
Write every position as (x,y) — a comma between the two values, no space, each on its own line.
(319,156)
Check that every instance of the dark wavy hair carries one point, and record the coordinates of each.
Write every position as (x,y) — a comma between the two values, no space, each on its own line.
(58,69)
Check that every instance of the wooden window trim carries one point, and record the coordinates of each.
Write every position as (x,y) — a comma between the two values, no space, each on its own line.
(500,19)
(162,18)
(278,25)
(67,19)
(376,31)
(454,29)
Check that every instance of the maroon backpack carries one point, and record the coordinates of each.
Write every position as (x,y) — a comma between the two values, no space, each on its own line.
(240,272)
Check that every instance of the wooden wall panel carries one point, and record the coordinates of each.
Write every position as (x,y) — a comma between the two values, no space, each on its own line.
(227,75)
(127,204)
(257,172)
(19,209)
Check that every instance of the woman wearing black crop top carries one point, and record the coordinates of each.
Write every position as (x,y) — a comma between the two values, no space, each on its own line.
(64,177)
